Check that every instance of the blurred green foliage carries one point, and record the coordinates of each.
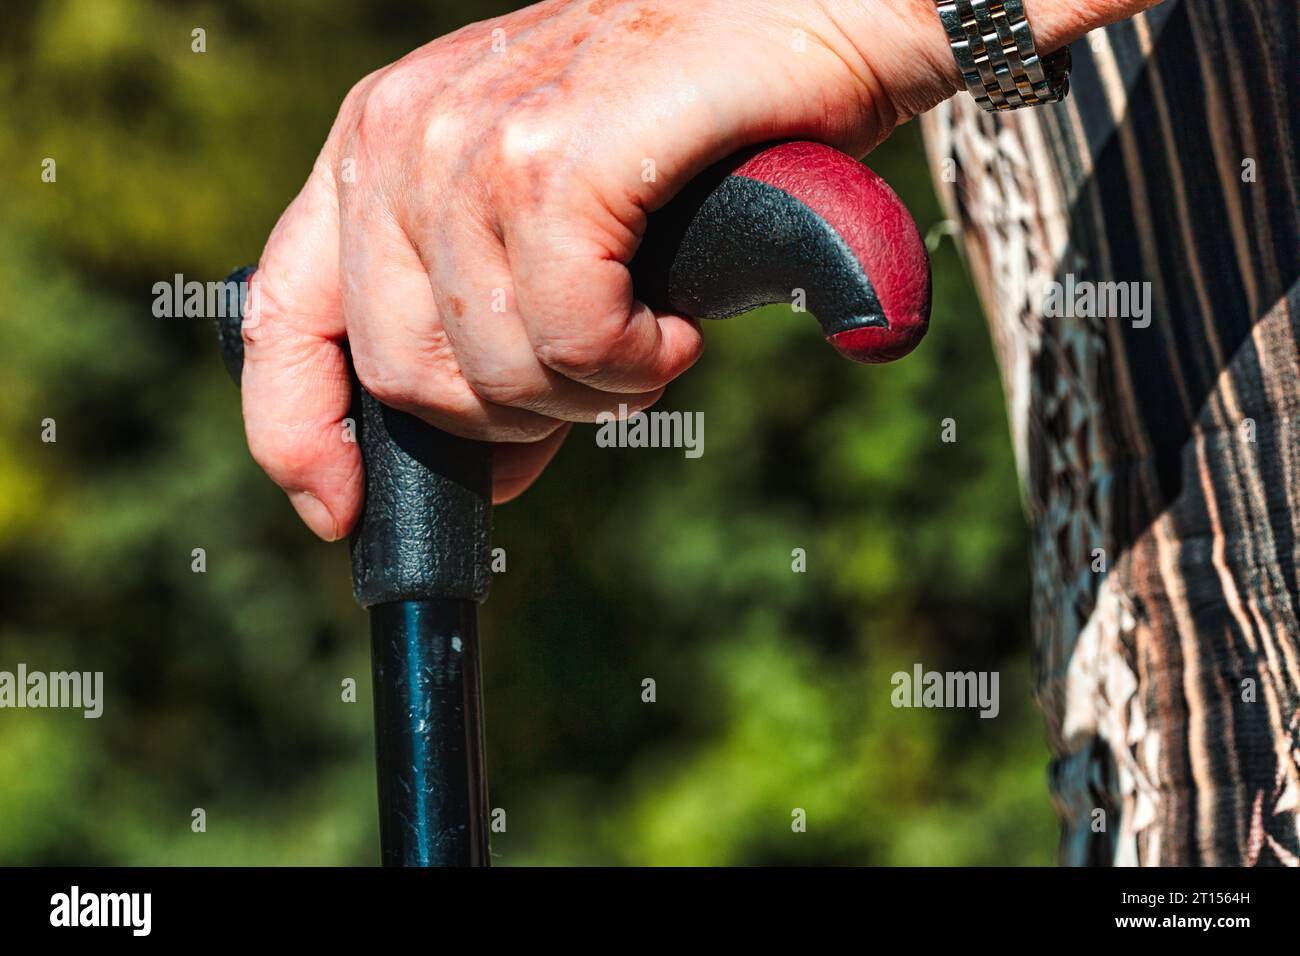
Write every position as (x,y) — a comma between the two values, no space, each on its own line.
(223,688)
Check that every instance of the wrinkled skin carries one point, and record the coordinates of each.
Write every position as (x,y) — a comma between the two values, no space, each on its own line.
(466,226)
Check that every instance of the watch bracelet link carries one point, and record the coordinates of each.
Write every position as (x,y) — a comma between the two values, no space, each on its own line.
(996,55)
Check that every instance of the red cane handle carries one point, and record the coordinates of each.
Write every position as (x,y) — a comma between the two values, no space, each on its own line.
(798,223)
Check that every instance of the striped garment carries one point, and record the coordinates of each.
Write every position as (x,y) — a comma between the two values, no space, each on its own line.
(1159,452)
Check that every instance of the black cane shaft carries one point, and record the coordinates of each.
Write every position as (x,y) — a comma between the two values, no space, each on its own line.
(429,734)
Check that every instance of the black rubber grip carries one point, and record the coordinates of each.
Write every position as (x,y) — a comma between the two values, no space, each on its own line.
(754,230)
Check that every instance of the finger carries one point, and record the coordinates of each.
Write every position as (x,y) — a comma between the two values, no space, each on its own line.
(516,466)
(475,298)
(575,298)
(400,348)
(296,386)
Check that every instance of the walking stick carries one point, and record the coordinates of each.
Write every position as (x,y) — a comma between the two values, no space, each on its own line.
(792,222)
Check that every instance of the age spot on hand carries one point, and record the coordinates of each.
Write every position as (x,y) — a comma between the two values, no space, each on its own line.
(651,23)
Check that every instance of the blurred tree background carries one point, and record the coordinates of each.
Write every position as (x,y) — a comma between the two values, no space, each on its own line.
(222,689)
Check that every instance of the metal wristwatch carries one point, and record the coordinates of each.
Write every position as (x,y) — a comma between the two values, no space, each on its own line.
(997,57)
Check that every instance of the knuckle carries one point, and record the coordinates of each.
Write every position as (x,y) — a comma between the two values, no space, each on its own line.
(396,384)
(386,103)
(525,145)
(356,96)
(502,388)
(263,322)
(577,357)
(444,132)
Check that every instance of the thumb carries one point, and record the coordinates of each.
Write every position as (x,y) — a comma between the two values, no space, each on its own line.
(296,385)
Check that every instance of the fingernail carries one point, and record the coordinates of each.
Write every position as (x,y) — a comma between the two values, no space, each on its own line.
(317,517)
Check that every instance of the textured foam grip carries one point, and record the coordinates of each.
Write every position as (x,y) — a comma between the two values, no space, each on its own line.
(426,529)
(761,228)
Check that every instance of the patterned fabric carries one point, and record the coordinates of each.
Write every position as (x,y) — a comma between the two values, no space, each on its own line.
(1160,457)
